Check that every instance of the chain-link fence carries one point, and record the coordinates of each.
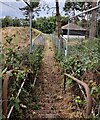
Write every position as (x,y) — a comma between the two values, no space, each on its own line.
(73,46)
(60,44)
(38,41)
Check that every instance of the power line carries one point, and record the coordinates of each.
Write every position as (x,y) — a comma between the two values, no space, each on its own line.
(89,10)
(27,4)
(10,6)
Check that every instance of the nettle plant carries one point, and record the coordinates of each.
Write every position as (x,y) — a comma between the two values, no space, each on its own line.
(18,63)
(95,93)
(81,58)
(10,54)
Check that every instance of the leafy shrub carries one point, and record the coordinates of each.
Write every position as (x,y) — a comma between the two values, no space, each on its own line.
(24,65)
(80,58)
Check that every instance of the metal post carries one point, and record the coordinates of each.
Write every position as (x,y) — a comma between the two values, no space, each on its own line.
(1,72)
(30,21)
(66,50)
(30,16)
(68,31)
(0,92)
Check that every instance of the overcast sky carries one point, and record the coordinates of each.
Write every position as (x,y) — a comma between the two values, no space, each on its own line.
(14,12)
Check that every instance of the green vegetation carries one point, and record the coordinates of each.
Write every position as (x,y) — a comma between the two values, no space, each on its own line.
(47,25)
(83,58)
(8,21)
(20,65)
(44,24)
(16,22)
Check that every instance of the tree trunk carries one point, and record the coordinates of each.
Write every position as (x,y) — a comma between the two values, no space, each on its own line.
(92,32)
(58,23)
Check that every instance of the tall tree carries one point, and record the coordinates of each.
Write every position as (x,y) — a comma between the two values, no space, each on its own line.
(16,22)
(98,29)
(29,9)
(93,22)
(32,5)
(7,21)
(72,6)
(58,23)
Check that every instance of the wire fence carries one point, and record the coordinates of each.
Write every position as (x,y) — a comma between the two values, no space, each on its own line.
(76,58)
(73,46)
(38,41)
(60,49)
(56,42)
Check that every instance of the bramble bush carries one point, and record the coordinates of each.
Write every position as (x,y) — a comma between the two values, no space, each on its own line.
(19,64)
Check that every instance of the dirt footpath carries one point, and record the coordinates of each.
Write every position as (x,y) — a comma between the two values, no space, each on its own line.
(49,90)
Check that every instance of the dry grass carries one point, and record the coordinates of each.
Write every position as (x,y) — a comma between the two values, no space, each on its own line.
(20,34)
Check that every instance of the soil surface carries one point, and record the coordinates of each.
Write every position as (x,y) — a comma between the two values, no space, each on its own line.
(49,90)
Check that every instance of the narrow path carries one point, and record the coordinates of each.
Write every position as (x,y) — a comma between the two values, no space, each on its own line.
(53,103)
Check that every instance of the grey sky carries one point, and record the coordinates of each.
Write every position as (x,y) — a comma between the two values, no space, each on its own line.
(14,12)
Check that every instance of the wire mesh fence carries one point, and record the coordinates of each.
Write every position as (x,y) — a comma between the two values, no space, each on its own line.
(74,46)
(38,42)
(61,48)
(56,42)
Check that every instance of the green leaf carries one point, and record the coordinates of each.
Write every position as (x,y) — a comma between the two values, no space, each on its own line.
(10,74)
(16,103)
